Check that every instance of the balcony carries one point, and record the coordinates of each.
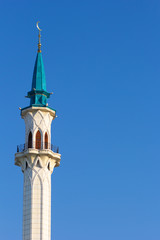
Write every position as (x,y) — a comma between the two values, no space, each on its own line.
(43,145)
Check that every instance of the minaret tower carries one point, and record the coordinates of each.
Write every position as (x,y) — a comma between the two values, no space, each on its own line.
(37,157)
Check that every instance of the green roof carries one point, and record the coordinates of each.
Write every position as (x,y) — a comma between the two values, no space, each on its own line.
(38,94)
(39,79)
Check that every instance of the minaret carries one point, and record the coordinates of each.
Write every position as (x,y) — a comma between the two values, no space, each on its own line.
(37,157)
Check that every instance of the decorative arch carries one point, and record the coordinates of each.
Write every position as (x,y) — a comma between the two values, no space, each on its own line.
(49,166)
(46,141)
(38,140)
(30,140)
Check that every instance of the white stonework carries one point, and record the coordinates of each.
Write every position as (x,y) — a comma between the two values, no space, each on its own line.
(37,166)
(38,119)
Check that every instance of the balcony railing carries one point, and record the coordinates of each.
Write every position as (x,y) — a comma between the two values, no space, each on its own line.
(43,145)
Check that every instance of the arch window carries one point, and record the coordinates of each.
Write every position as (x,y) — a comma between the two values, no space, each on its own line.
(49,166)
(30,140)
(46,141)
(26,165)
(38,140)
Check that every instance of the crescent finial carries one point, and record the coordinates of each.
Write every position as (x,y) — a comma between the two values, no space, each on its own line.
(38,26)
(39,38)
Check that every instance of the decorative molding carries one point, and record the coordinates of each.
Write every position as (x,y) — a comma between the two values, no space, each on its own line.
(27,163)
(37,120)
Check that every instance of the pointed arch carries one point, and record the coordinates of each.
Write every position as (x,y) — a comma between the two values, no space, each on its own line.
(49,166)
(46,141)
(38,164)
(26,165)
(38,140)
(30,140)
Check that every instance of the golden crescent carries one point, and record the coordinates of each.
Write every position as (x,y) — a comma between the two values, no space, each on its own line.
(38,26)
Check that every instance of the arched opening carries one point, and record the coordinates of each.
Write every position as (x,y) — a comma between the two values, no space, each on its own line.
(38,164)
(49,166)
(38,140)
(46,141)
(30,140)
(26,165)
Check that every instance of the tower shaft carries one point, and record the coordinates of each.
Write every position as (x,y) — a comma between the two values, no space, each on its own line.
(37,200)
(37,161)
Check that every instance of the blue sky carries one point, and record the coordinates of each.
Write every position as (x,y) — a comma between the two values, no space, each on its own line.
(102,61)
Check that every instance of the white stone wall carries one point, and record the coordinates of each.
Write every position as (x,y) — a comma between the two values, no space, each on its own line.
(37,200)
(37,120)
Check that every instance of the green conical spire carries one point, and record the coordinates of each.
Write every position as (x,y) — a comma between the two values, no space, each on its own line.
(38,93)
(39,79)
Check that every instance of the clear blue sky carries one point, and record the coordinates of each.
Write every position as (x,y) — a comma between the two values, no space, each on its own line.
(102,61)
